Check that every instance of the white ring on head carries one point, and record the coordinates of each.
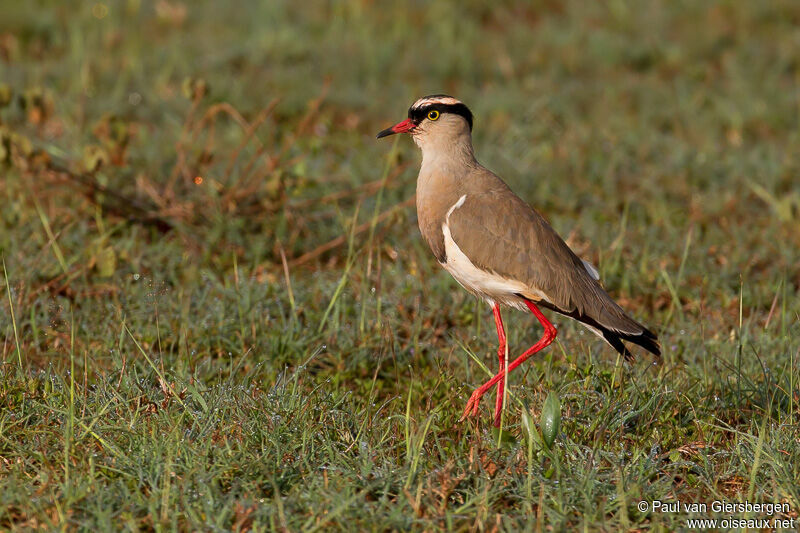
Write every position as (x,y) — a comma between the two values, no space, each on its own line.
(444,100)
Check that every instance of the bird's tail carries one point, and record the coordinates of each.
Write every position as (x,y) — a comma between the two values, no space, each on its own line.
(620,331)
(646,339)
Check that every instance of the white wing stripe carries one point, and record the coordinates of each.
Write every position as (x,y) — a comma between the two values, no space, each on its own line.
(591,269)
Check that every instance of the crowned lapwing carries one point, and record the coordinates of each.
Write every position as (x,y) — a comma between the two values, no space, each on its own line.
(497,246)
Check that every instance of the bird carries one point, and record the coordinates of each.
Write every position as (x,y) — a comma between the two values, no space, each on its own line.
(498,247)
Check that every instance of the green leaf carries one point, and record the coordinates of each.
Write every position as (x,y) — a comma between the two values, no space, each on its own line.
(503,437)
(550,421)
(94,157)
(106,262)
(6,94)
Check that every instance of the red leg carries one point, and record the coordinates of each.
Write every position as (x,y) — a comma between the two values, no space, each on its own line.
(501,355)
(550,333)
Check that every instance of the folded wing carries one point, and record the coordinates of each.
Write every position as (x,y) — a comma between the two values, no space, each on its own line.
(502,234)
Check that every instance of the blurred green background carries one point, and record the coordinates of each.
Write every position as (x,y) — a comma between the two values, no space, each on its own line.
(217,311)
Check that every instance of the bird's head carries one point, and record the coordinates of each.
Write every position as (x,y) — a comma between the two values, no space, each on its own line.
(433,120)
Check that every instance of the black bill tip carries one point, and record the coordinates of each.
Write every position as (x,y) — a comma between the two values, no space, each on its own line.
(385,133)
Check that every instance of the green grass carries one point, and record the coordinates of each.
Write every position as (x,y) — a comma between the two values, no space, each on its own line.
(164,368)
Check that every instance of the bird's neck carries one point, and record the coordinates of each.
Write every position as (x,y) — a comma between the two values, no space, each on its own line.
(445,172)
(450,153)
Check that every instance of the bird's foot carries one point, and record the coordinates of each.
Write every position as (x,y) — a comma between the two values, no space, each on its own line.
(473,404)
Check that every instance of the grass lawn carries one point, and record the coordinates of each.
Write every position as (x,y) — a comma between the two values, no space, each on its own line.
(217,313)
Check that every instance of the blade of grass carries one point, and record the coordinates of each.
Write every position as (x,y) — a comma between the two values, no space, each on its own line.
(288,280)
(52,242)
(676,301)
(344,277)
(685,255)
(158,372)
(70,425)
(13,318)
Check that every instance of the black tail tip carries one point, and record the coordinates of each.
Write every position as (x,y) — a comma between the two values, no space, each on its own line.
(646,339)
(649,342)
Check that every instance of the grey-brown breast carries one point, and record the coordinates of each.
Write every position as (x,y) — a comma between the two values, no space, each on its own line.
(437,191)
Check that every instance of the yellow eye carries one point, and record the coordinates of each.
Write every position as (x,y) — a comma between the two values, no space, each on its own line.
(433,115)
